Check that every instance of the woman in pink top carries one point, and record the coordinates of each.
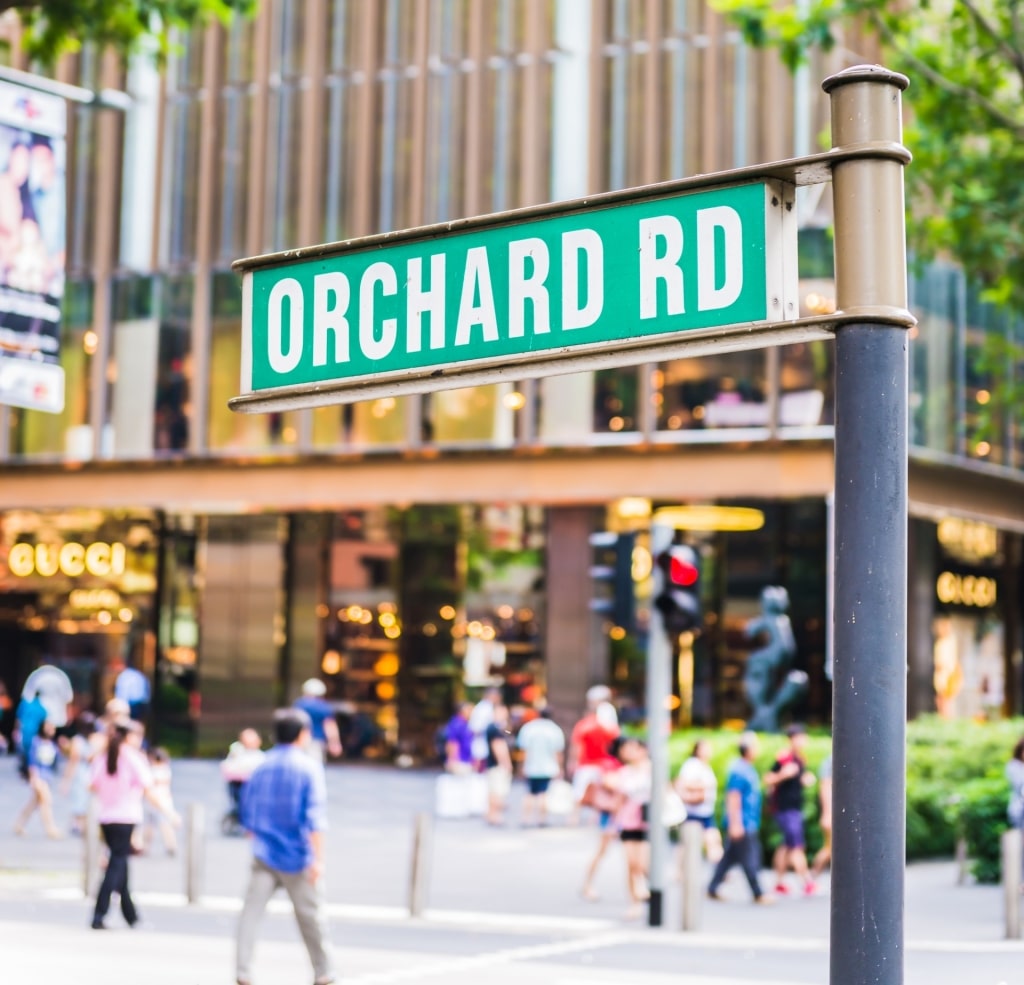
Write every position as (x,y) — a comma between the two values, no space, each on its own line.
(121,778)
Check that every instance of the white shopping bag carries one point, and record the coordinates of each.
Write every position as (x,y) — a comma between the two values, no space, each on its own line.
(451,796)
(561,799)
(460,795)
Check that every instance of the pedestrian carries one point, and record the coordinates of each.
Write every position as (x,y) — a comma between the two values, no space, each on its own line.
(132,687)
(543,747)
(498,766)
(480,718)
(590,762)
(284,808)
(786,782)
(28,720)
(244,755)
(458,740)
(633,782)
(823,857)
(81,749)
(589,743)
(121,780)
(43,753)
(697,787)
(326,739)
(156,818)
(743,820)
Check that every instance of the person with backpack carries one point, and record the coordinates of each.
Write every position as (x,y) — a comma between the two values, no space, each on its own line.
(743,819)
(786,780)
(42,775)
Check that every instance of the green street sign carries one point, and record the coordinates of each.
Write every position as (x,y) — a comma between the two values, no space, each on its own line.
(515,295)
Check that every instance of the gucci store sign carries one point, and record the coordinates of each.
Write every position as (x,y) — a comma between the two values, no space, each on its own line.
(71,559)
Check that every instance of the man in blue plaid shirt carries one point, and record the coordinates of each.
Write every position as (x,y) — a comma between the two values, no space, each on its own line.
(284,808)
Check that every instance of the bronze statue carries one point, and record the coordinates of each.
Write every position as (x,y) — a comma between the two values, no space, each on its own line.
(770,684)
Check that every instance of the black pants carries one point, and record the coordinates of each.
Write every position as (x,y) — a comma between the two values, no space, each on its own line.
(744,852)
(115,880)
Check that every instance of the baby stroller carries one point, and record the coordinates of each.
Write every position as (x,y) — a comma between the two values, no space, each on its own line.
(231,822)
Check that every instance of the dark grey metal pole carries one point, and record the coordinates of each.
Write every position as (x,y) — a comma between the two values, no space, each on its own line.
(870,661)
(659,690)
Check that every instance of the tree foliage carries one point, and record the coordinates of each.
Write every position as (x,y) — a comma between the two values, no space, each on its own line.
(965,59)
(53,27)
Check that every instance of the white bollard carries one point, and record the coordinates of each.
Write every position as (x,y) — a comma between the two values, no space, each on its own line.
(692,875)
(91,848)
(1012,861)
(422,852)
(195,851)
(961,861)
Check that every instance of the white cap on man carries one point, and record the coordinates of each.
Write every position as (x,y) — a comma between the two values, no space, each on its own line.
(314,688)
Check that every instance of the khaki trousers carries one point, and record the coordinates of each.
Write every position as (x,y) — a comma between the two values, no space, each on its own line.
(308,902)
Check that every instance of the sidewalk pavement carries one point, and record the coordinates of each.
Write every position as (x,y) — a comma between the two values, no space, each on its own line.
(480,877)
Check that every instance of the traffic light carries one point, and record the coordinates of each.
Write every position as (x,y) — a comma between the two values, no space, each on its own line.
(678,591)
(613,574)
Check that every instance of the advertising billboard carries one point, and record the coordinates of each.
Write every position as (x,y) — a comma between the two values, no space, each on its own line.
(32,246)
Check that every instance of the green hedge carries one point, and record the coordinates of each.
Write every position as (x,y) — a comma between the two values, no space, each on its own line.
(955,784)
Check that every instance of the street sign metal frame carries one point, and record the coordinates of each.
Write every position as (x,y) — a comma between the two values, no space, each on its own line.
(786,175)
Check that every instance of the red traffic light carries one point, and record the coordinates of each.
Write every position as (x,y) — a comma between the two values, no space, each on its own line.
(681,572)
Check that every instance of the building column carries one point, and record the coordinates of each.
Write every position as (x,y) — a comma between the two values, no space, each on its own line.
(576,654)
(1012,607)
(308,551)
(920,613)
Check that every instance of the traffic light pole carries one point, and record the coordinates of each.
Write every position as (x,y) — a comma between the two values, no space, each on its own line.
(659,690)
(870,660)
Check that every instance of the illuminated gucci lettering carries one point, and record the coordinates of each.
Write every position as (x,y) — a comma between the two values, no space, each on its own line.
(72,559)
(972,590)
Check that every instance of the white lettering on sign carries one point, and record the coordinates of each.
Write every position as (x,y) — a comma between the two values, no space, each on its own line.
(372,321)
(971,590)
(72,559)
(477,281)
(661,253)
(374,346)
(523,288)
(587,245)
(290,290)
(425,301)
(709,296)
(661,248)
(330,316)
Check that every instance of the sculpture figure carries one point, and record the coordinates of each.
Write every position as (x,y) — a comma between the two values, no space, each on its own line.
(771,686)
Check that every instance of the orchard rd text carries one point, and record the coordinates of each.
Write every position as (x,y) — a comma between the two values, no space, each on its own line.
(690,261)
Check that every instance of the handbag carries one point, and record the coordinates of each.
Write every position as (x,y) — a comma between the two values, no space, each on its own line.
(601,798)
(673,810)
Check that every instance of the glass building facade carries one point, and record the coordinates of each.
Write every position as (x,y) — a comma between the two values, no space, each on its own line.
(277,535)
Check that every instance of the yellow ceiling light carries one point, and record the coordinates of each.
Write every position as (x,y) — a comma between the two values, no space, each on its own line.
(386,665)
(331,662)
(632,508)
(709,517)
